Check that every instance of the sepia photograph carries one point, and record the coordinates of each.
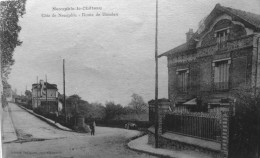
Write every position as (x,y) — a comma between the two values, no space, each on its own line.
(130,79)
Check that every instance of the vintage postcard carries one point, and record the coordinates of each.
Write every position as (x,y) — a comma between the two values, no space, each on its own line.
(139,78)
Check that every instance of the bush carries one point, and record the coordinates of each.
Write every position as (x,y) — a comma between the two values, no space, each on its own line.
(121,123)
(244,132)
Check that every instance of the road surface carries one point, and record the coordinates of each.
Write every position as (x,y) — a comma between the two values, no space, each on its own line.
(37,139)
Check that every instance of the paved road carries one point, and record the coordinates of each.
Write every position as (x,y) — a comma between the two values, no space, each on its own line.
(39,139)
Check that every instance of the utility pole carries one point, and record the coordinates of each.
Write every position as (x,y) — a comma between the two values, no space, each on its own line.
(64,94)
(255,93)
(37,92)
(46,94)
(156,79)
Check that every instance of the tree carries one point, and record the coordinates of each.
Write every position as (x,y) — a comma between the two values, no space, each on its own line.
(73,104)
(245,123)
(10,12)
(96,111)
(138,104)
(28,94)
(113,110)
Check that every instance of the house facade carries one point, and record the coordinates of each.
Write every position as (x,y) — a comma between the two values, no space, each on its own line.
(220,57)
(47,96)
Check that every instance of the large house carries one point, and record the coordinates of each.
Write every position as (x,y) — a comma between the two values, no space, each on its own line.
(221,56)
(204,73)
(39,92)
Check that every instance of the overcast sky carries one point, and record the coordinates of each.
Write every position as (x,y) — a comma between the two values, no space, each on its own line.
(107,58)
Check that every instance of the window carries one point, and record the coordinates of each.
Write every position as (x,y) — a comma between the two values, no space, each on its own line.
(183,79)
(221,74)
(222,36)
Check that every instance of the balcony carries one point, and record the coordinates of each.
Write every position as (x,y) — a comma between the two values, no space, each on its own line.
(219,86)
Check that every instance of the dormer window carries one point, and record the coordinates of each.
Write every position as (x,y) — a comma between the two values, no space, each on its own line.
(222,35)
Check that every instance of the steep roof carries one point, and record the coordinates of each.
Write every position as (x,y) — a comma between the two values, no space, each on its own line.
(49,86)
(250,18)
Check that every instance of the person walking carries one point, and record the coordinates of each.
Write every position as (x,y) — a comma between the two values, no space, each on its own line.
(92,127)
(56,116)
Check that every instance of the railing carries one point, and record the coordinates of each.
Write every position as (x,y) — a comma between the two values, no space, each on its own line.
(200,125)
(222,45)
(221,86)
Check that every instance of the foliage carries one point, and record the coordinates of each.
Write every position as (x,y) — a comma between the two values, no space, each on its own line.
(28,94)
(138,104)
(121,123)
(244,132)
(133,117)
(113,110)
(96,111)
(6,93)
(75,105)
(10,11)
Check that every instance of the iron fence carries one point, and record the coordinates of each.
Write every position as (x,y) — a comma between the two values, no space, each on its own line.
(200,125)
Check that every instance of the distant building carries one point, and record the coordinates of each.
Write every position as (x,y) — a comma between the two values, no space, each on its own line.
(221,56)
(39,92)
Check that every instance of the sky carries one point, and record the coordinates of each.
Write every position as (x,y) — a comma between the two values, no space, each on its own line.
(107,58)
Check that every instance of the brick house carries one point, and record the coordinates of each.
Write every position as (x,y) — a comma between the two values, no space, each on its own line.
(52,96)
(221,56)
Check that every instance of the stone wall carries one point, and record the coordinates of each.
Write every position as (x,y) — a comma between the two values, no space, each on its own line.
(163,108)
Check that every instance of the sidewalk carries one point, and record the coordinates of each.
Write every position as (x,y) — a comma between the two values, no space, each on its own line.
(9,133)
(140,144)
(47,120)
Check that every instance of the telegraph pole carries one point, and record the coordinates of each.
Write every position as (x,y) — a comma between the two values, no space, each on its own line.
(156,79)
(37,92)
(64,96)
(46,93)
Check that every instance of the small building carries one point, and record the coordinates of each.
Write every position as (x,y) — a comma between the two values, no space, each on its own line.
(45,96)
(219,58)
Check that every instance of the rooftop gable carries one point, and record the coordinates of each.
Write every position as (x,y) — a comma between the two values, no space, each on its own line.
(249,18)
(49,86)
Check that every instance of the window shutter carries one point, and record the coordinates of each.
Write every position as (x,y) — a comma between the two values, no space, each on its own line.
(179,81)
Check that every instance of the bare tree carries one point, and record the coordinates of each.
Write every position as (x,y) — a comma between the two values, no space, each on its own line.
(138,104)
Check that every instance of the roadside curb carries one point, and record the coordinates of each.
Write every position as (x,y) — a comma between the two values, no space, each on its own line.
(50,122)
(144,151)
(141,145)
(8,116)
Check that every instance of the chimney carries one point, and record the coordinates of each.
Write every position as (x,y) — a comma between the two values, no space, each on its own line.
(189,35)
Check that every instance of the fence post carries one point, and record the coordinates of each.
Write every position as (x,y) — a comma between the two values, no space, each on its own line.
(151,111)
(163,108)
(224,133)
